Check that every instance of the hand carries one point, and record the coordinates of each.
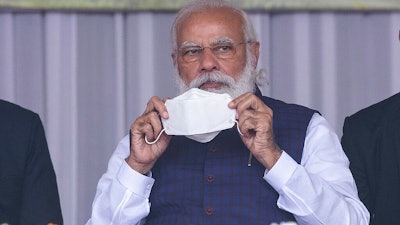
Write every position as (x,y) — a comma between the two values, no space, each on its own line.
(255,122)
(142,155)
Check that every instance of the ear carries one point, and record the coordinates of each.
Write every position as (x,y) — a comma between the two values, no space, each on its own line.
(174,58)
(255,50)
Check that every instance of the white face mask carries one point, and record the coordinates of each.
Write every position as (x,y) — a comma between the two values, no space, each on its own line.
(199,115)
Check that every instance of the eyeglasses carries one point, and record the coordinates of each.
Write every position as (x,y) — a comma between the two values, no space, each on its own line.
(221,51)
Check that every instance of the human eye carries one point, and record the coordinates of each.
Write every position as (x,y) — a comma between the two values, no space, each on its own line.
(191,51)
(223,48)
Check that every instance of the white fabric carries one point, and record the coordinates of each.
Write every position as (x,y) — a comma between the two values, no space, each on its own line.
(321,190)
(199,114)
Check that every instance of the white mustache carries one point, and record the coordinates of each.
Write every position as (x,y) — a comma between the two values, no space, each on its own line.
(216,76)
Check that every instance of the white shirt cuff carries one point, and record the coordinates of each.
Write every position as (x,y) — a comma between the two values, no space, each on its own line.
(134,181)
(281,172)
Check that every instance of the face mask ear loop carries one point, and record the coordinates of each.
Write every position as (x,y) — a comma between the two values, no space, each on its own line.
(251,155)
(237,127)
(158,137)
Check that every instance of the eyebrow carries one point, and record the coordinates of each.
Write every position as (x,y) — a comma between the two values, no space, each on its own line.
(222,40)
(187,44)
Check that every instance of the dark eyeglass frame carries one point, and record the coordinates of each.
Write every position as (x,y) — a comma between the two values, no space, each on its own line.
(224,50)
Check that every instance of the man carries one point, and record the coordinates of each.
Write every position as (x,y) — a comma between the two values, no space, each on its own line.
(298,171)
(371,140)
(28,187)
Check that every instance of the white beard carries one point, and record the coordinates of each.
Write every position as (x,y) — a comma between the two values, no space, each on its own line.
(246,82)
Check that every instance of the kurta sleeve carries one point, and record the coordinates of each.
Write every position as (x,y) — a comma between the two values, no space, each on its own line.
(122,195)
(320,190)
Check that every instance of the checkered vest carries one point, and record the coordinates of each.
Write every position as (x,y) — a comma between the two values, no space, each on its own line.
(211,184)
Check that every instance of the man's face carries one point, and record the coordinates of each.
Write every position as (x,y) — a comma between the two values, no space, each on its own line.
(210,29)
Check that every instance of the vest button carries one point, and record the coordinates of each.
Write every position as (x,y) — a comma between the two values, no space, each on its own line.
(213,148)
(209,211)
(210,178)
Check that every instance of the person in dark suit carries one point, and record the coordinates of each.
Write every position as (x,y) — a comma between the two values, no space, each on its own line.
(371,140)
(28,187)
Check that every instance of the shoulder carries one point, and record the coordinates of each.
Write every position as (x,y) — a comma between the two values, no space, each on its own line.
(282,107)
(277,105)
(375,115)
(8,110)
(16,118)
(12,111)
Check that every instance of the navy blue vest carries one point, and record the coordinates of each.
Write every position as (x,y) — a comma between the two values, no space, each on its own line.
(211,184)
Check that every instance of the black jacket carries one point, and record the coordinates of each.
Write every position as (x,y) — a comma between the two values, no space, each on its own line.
(28,188)
(371,140)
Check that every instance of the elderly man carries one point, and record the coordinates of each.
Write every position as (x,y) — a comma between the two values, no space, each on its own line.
(170,172)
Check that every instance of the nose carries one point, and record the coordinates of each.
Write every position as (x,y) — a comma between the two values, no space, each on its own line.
(208,61)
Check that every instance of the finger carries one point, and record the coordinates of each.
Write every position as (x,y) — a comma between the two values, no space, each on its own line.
(254,121)
(247,124)
(141,128)
(233,104)
(151,126)
(155,123)
(251,103)
(158,105)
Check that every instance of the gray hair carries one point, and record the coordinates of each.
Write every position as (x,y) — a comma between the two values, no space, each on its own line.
(248,29)
(202,5)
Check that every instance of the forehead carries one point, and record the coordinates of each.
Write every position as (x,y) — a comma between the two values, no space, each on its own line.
(204,27)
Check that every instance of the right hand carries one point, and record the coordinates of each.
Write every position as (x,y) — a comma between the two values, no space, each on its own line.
(142,155)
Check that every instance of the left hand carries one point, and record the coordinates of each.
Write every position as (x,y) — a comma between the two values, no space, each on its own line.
(255,122)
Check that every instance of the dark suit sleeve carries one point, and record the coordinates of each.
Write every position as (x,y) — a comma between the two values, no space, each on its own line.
(356,142)
(40,204)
